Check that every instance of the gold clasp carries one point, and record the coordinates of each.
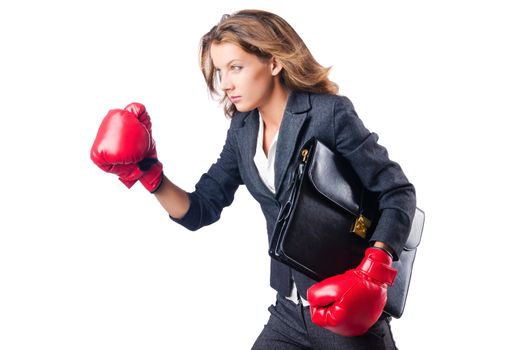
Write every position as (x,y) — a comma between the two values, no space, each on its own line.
(360,226)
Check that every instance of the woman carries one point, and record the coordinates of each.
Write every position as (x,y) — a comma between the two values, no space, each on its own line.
(278,97)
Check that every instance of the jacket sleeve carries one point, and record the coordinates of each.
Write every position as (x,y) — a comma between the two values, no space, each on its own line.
(215,190)
(379,174)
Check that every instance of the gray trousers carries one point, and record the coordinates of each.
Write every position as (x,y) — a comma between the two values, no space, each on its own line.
(290,327)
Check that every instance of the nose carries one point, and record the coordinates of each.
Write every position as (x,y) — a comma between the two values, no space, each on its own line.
(225,83)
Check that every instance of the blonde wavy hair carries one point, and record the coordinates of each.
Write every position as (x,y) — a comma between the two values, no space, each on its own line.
(265,35)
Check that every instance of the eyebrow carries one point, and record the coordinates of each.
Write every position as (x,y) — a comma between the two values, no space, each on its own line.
(228,63)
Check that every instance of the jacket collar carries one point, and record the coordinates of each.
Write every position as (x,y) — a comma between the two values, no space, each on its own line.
(298,102)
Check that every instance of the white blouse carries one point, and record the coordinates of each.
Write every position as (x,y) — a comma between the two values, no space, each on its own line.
(265,165)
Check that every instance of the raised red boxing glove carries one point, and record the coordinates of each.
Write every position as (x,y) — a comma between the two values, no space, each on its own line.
(350,303)
(124,146)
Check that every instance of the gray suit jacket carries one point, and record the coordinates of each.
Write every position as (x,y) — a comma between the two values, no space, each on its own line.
(333,120)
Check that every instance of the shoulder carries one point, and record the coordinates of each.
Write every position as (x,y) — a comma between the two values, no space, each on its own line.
(302,101)
(330,106)
(330,101)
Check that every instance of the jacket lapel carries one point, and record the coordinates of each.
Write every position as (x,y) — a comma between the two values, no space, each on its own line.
(291,124)
(247,143)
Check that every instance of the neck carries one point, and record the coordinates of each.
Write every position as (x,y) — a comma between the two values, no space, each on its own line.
(273,110)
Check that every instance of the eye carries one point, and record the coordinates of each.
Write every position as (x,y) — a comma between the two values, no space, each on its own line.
(236,67)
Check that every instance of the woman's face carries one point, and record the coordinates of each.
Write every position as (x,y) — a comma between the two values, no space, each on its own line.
(247,80)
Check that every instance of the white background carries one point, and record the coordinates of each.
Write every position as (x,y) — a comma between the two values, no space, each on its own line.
(87,264)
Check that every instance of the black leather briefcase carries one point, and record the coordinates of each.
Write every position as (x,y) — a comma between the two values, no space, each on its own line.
(325,226)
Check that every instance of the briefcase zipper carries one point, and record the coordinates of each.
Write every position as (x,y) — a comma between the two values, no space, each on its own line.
(304,155)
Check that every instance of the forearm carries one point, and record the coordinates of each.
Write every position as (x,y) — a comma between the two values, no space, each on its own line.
(172,198)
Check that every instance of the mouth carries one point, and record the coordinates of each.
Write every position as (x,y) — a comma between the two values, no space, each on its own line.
(235,99)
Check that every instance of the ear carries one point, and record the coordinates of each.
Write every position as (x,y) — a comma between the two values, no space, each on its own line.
(275,66)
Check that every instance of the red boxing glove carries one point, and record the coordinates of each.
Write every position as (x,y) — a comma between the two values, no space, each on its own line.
(124,146)
(350,303)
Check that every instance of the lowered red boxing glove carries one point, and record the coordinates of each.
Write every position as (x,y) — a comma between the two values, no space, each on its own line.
(350,303)
(124,146)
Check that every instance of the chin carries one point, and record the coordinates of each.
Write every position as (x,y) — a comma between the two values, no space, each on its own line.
(243,108)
